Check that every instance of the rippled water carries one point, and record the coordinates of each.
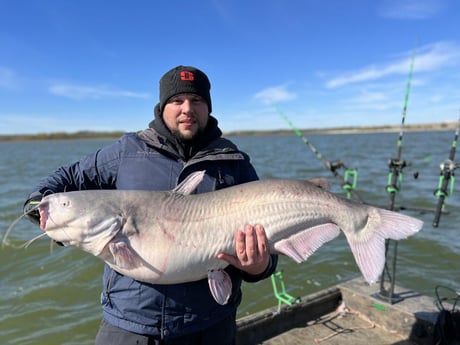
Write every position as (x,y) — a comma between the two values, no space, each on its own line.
(51,295)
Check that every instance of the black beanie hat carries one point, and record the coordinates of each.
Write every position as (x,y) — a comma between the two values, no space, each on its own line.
(184,79)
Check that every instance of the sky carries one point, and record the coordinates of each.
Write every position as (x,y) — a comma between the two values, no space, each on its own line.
(68,66)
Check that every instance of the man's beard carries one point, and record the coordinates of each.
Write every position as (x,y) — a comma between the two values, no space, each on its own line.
(179,136)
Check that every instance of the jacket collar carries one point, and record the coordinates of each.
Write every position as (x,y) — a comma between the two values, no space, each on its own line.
(159,133)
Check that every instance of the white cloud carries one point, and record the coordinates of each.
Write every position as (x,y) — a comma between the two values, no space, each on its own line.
(429,58)
(92,92)
(275,94)
(410,9)
(369,100)
(8,79)
(366,74)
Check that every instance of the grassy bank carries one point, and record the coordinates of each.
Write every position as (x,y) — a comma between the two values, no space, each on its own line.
(444,126)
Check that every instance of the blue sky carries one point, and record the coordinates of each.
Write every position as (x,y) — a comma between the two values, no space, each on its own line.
(95,65)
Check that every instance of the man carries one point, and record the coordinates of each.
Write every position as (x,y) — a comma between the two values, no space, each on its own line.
(182,138)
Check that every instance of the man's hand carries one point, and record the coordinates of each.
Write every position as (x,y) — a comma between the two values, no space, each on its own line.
(252,250)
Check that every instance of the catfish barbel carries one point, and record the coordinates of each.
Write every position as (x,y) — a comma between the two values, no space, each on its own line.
(174,236)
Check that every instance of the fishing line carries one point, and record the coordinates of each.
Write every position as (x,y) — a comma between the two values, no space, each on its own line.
(446,178)
(395,177)
(350,174)
(447,325)
(455,299)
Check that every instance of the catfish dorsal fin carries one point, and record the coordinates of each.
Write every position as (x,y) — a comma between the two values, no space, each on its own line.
(189,184)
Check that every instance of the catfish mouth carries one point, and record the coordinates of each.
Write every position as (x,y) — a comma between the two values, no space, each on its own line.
(44,215)
(70,232)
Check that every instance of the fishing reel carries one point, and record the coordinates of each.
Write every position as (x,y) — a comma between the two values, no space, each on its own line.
(397,164)
(446,178)
(334,166)
(395,176)
(448,166)
(445,187)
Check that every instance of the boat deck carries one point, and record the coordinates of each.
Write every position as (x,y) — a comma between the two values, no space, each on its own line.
(350,313)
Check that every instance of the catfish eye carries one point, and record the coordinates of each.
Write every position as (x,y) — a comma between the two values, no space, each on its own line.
(65,203)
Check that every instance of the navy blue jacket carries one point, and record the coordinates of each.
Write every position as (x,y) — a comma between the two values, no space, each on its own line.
(149,161)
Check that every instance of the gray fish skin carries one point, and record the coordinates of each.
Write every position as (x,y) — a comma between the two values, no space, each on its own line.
(173,237)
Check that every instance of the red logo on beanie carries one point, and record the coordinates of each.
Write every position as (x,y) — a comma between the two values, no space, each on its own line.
(186,76)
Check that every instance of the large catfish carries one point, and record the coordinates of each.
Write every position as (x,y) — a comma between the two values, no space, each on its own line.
(174,236)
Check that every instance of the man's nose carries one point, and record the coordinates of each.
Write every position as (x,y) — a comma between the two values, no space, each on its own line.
(186,106)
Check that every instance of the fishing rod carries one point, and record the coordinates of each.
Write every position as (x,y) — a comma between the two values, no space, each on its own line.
(350,174)
(280,293)
(446,178)
(395,177)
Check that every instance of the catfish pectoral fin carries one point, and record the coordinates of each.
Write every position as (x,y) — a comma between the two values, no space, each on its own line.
(124,256)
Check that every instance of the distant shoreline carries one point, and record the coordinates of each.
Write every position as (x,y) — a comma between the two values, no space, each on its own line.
(430,127)
(443,126)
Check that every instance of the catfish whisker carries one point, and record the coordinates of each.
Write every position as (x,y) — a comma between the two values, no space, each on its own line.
(7,233)
(28,243)
(51,246)
(62,228)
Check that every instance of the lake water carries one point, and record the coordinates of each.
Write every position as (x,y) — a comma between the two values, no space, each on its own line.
(51,295)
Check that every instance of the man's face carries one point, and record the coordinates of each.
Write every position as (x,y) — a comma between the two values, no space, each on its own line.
(186,115)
